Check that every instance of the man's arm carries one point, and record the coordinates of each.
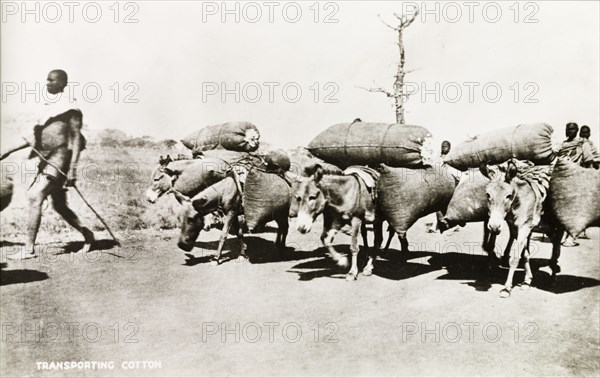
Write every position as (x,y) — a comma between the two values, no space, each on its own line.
(75,139)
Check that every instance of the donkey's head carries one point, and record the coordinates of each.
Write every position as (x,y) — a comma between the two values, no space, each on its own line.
(500,195)
(162,180)
(308,200)
(196,213)
(190,224)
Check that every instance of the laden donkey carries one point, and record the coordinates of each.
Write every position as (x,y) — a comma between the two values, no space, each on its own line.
(344,201)
(226,196)
(519,199)
(186,176)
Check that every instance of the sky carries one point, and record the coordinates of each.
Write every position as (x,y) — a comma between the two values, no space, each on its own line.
(166,69)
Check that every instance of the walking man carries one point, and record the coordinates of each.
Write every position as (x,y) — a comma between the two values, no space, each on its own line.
(58,139)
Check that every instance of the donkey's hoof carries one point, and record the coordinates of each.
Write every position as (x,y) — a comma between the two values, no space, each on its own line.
(350,277)
(343,262)
(214,262)
(504,293)
(367,272)
(525,286)
(242,259)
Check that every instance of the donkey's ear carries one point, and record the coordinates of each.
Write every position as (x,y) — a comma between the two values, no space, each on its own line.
(485,171)
(199,202)
(318,174)
(311,170)
(511,171)
(164,160)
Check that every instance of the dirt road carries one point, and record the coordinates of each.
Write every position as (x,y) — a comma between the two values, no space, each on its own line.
(294,313)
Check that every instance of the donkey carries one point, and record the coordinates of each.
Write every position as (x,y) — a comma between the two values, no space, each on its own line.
(343,201)
(224,196)
(198,174)
(519,200)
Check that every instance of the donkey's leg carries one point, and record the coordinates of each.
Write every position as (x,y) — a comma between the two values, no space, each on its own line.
(403,243)
(512,235)
(282,231)
(515,256)
(356,226)
(390,237)
(556,236)
(528,273)
(378,231)
(224,233)
(327,239)
(240,236)
(364,234)
(488,244)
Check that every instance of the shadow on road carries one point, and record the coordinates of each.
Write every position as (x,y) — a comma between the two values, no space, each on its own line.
(98,245)
(9,277)
(259,251)
(392,265)
(469,267)
(6,243)
(564,283)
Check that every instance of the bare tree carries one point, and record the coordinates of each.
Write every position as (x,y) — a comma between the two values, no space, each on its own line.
(398,93)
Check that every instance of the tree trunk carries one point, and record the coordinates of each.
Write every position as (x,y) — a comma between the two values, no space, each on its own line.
(399,83)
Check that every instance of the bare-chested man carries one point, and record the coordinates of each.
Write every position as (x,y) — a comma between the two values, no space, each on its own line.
(579,151)
(58,138)
(584,135)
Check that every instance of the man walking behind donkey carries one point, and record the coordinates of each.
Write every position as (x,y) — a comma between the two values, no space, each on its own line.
(57,138)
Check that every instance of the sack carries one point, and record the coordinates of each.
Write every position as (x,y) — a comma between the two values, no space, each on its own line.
(225,155)
(361,143)
(405,195)
(235,136)
(266,198)
(531,142)
(198,175)
(51,137)
(277,161)
(301,158)
(469,201)
(574,193)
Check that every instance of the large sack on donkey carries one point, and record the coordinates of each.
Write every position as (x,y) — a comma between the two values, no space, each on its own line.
(301,158)
(574,194)
(266,196)
(469,201)
(362,143)
(6,192)
(405,195)
(235,136)
(277,161)
(225,155)
(199,175)
(531,142)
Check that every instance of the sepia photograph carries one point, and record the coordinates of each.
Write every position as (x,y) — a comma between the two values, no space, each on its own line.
(315,188)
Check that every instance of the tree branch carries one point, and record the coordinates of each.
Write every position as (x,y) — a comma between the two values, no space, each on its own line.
(386,24)
(379,90)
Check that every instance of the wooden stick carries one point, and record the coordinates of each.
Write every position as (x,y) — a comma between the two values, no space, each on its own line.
(78,192)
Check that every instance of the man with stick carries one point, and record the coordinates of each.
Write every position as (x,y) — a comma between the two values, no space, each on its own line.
(57,141)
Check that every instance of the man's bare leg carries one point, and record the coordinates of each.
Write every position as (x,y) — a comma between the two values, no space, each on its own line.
(36,194)
(59,202)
